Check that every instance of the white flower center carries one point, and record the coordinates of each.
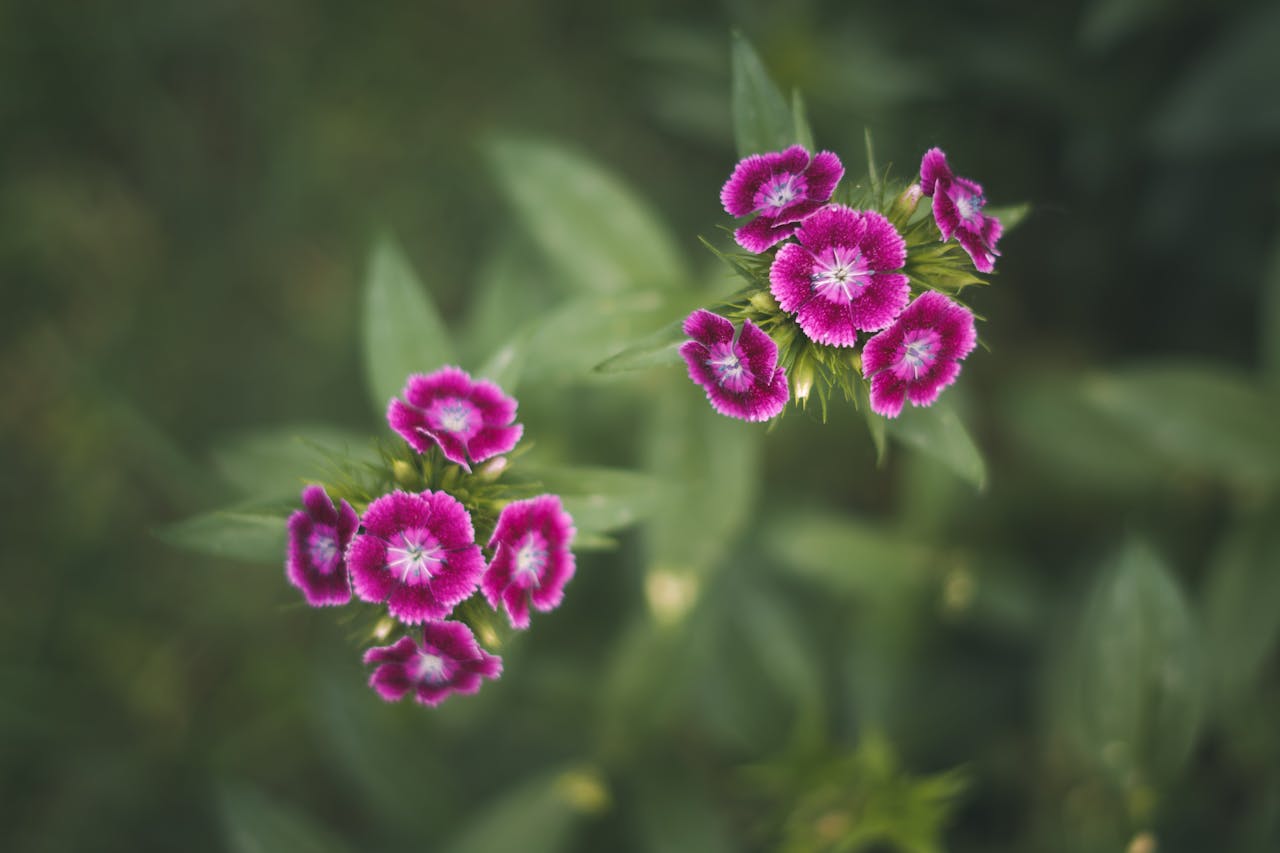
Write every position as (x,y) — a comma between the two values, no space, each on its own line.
(919,351)
(323,548)
(840,274)
(455,416)
(430,668)
(415,557)
(728,368)
(530,558)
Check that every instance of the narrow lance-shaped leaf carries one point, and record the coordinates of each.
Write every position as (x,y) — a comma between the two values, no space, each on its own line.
(803,132)
(539,816)
(238,535)
(403,333)
(274,462)
(1138,683)
(593,229)
(256,825)
(939,432)
(761,120)
(660,349)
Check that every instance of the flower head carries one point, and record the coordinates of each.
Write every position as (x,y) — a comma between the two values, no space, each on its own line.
(532,561)
(318,537)
(417,553)
(448,660)
(739,371)
(469,421)
(782,187)
(919,355)
(957,208)
(837,279)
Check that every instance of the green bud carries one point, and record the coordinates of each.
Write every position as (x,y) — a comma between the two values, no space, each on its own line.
(405,474)
(905,204)
(763,301)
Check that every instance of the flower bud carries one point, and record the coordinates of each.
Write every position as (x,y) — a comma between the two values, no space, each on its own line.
(905,204)
(493,469)
(802,378)
(406,475)
(763,301)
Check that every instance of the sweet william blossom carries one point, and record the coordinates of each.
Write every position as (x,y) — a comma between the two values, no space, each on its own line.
(739,372)
(447,660)
(919,355)
(318,538)
(470,421)
(532,561)
(781,188)
(957,209)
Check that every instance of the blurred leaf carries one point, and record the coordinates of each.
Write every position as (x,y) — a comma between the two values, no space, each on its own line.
(599,499)
(539,816)
(1109,21)
(592,228)
(1071,441)
(237,535)
(660,349)
(717,460)
(1139,683)
(1201,417)
(771,629)
(403,334)
(274,462)
(506,365)
(938,431)
(877,426)
(511,287)
(1010,215)
(851,557)
(761,120)
(1216,106)
(1241,616)
(1269,339)
(564,345)
(803,133)
(256,825)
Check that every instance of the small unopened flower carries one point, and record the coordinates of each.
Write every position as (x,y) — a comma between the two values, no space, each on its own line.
(957,208)
(469,421)
(782,188)
(532,561)
(739,372)
(919,355)
(417,553)
(448,660)
(837,279)
(318,538)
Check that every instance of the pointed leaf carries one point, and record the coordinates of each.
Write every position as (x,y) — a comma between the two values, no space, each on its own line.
(939,432)
(538,816)
(803,132)
(660,349)
(274,462)
(1241,619)
(403,333)
(1211,419)
(1010,215)
(599,499)
(851,557)
(256,825)
(592,228)
(761,120)
(237,535)
(1139,689)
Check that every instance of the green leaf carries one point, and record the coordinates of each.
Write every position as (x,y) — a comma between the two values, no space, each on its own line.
(851,557)
(717,459)
(1269,340)
(275,462)
(505,365)
(937,431)
(873,171)
(1010,215)
(539,816)
(599,499)
(566,344)
(877,426)
(244,536)
(598,235)
(254,824)
(1139,680)
(803,132)
(1241,619)
(403,333)
(772,631)
(676,814)
(1209,419)
(761,120)
(660,349)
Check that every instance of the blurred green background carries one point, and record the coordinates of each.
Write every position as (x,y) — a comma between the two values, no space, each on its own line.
(1069,647)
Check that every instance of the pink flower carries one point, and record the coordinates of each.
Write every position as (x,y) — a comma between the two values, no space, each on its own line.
(739,372)
(957,208)
(417,553)
(837,279)
(318,537)
(919,354)
(782,188)
(469,421)
(448,660)
(532,561)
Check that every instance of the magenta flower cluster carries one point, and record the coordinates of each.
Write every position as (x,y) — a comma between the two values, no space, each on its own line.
(418,553)
(840,273)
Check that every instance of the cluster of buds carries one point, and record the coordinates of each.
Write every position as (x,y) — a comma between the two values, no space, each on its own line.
(406,534)
(828,265)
